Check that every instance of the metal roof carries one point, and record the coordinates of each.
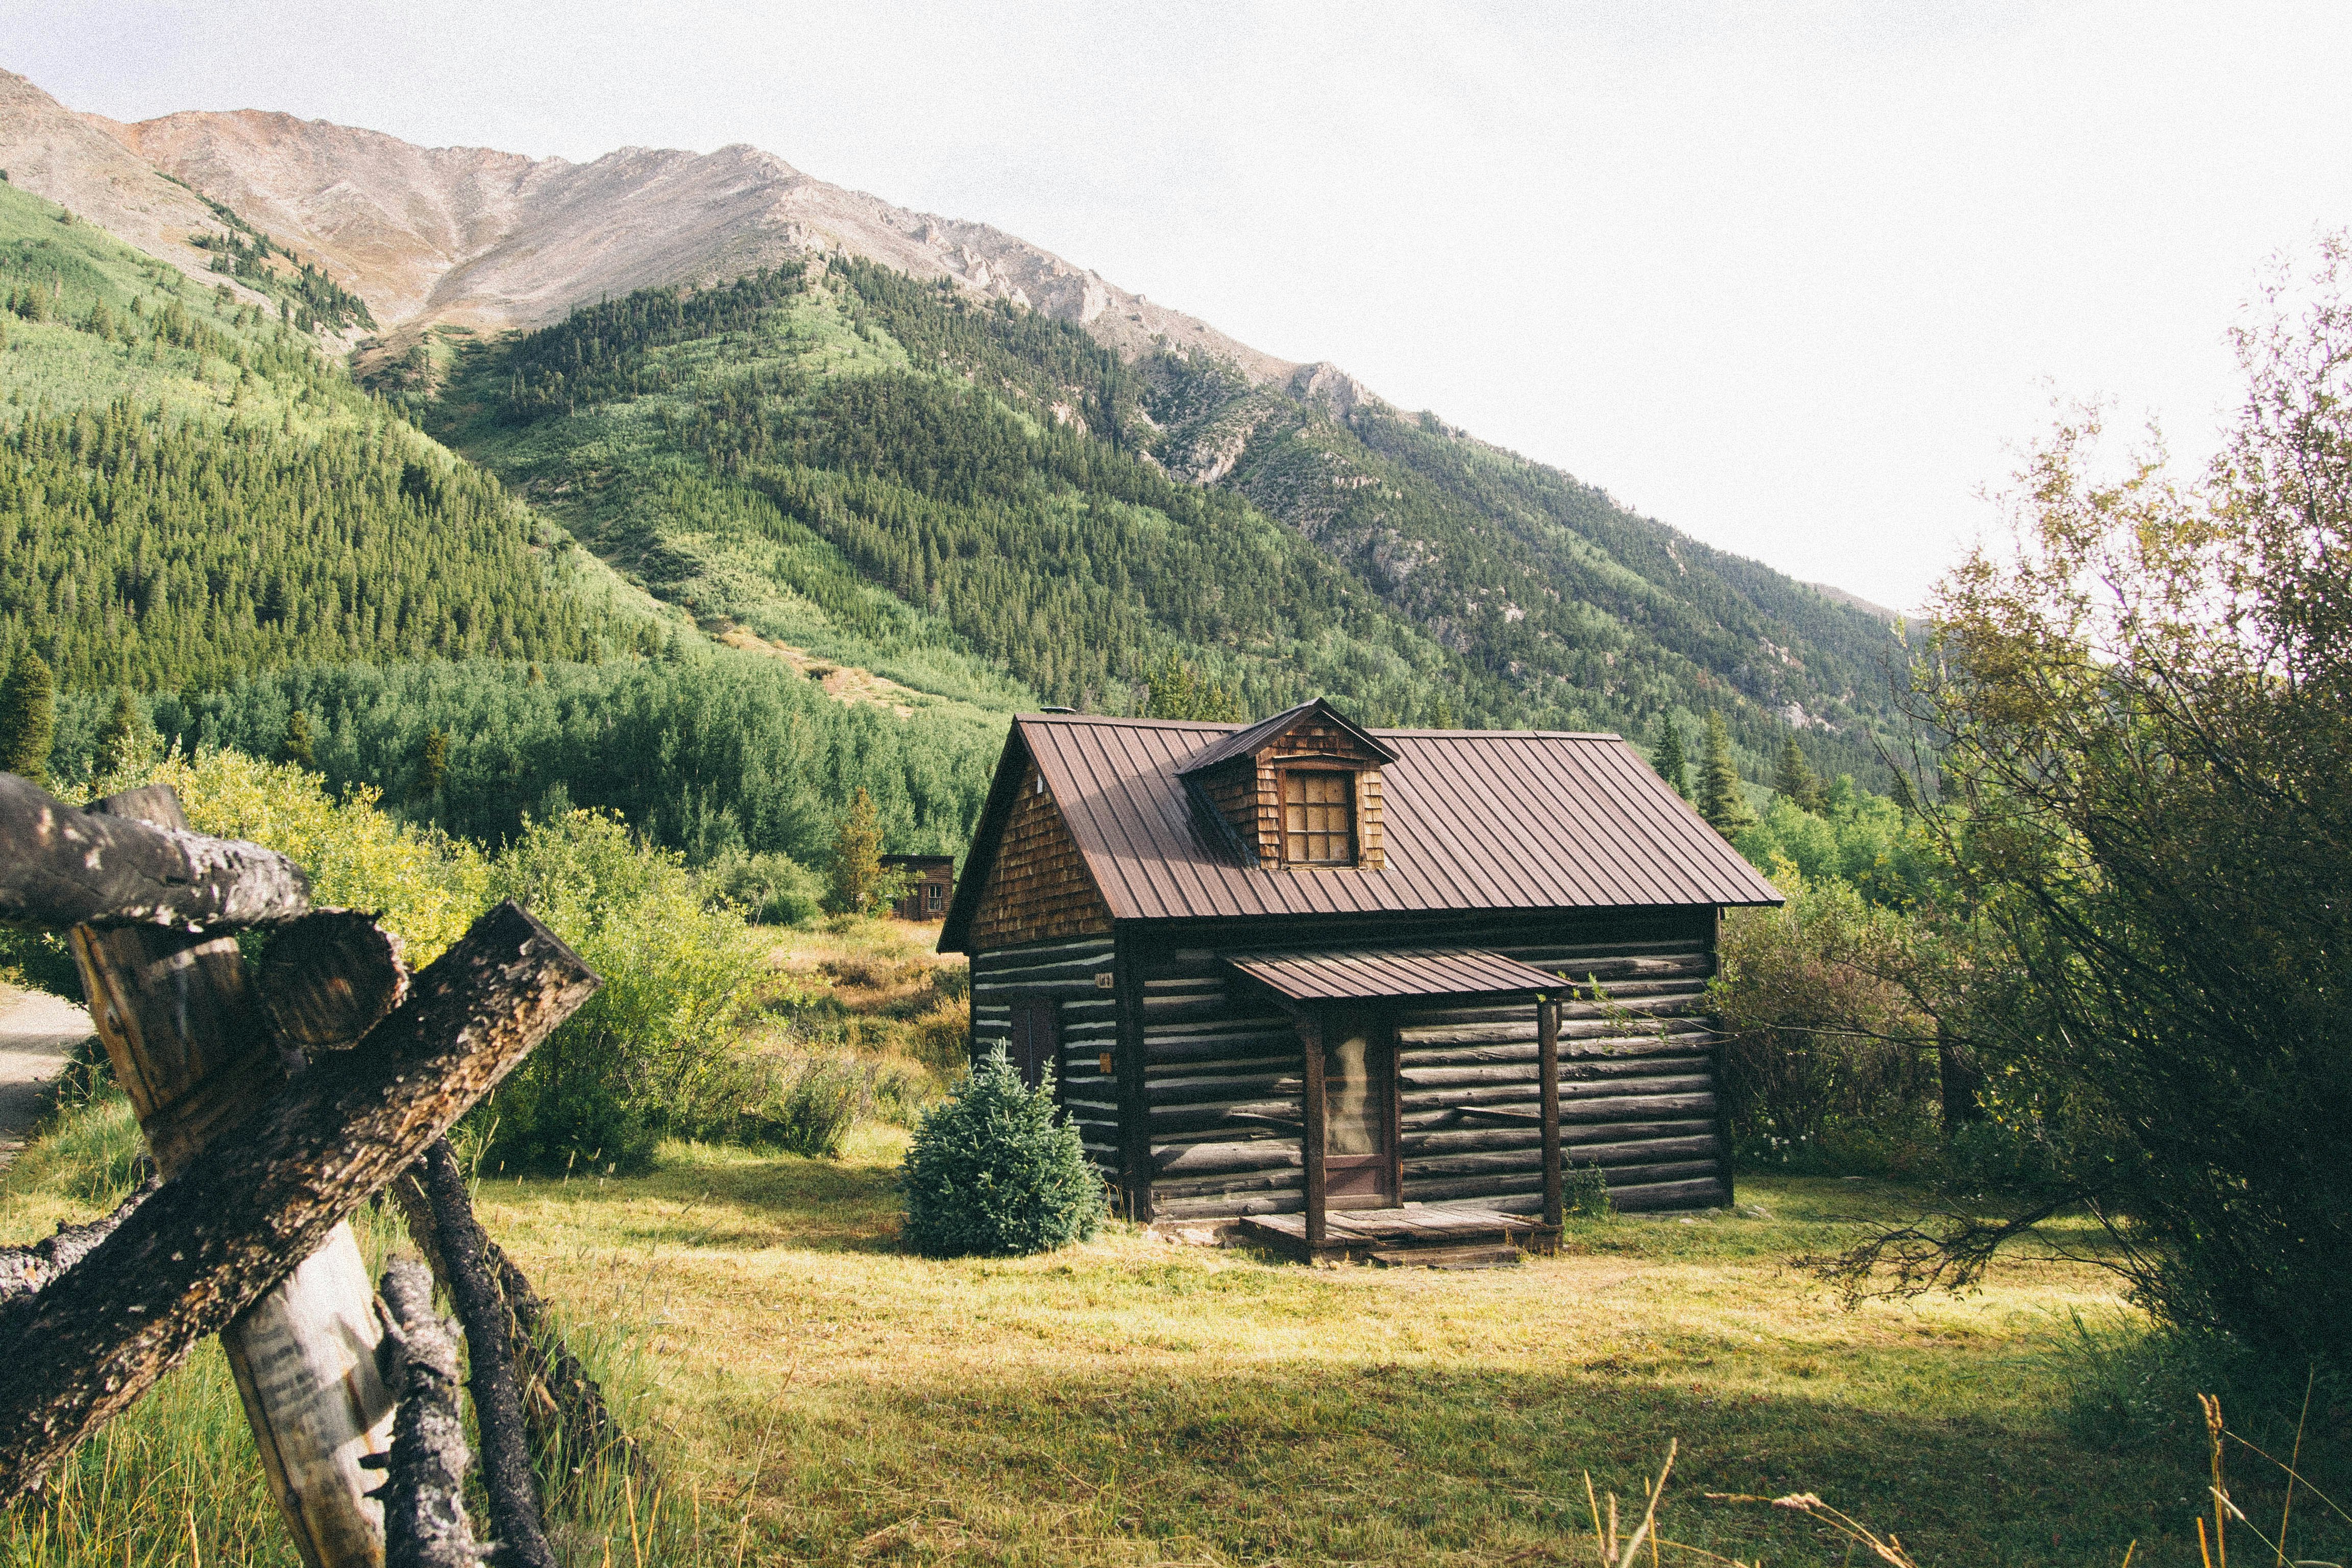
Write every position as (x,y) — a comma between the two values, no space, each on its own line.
(1472,820)
(1351,973)
(1243,741)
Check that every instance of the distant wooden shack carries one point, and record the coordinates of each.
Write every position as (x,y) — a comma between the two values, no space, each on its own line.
(1302,969)
(930,884)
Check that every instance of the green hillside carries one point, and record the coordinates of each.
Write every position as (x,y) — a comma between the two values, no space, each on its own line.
(190,492)
(197,505)
(986,504)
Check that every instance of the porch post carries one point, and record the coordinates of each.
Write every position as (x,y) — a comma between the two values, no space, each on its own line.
(1547,1072)
(1310,1040)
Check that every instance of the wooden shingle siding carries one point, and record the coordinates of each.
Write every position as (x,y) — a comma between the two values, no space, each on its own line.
(1037,887)
(1637,1078)
(1063,973)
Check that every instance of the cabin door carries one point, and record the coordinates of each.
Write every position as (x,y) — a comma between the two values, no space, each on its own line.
(1359,1111)
(1035,1046)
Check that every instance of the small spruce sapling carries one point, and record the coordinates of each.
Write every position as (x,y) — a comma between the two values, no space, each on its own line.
(1720,800)
(992,1172)
(1668,755)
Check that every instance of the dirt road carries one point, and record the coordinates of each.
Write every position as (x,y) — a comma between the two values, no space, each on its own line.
(38,1034)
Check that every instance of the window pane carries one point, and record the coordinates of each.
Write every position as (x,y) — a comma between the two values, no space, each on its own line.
(1351,1115)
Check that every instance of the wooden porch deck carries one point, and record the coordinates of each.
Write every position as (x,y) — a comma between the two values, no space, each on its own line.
(1444,1234)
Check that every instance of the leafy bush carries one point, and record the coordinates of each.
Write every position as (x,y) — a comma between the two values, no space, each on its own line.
(1824,1045)
(650,1053)
(773,888)
(820,1108)
(1584,1192)
(991,1172)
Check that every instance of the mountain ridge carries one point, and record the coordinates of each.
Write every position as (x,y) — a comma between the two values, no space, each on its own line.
(1554,599)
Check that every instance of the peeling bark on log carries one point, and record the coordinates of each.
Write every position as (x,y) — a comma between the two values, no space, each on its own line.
(425,1523)
(25,1270)
(572,1430)
(514,1519)
(61,866)
(329,978)
(264,1194)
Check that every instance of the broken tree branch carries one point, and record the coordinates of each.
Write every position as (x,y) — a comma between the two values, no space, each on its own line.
(425,1523)
(61,866)
(572,1430)
(515,1520)
(262,1196)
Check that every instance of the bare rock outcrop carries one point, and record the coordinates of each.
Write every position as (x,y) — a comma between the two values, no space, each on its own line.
(472,237)
(51,151)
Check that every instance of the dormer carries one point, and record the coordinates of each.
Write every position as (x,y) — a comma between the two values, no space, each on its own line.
(1300,791)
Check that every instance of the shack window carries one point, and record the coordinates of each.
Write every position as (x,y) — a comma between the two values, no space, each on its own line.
(1318,818)
(933,895)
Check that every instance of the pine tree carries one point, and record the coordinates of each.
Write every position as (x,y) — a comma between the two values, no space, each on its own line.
(857,865)
(121,739)
(27,717)
(1178,691)
(297,747)
(1668,755)
(1795,780)
(432,765)
(1720,800)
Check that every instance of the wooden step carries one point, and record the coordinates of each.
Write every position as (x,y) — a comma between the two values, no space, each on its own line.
(1448,1256)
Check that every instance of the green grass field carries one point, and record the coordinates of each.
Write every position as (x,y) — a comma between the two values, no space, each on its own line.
(813,1394)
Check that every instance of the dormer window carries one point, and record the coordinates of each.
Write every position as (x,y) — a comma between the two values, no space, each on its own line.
(1319,817)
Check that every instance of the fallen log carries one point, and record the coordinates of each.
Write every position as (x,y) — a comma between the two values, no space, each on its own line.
(425,1523)
(515,1520)
(329,978)
(61,867)
(261,1197)
(25,1270)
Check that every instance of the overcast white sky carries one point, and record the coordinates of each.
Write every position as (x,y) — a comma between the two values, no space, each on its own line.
(1797,278)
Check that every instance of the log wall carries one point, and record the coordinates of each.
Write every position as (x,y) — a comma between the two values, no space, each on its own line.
(1223,1073)
(1063,973)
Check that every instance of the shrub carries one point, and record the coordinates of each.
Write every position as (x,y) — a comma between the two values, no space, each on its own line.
(650,1053)
(942,1038)
(772,889)
(1823,1044)
(1584,1192)
(991,1172)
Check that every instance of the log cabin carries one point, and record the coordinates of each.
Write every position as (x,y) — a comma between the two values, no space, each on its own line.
(930,882)
(1353,989)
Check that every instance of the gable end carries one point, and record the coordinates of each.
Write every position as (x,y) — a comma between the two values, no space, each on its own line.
(1036,888)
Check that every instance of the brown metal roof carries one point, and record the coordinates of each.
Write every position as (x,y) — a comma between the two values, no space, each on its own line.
(1243,741)
(1360,974)
(1472,820)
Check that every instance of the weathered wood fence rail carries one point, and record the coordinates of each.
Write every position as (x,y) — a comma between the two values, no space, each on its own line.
(275,1099)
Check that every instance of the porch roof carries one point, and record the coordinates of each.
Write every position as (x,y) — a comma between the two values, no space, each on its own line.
(1345,975)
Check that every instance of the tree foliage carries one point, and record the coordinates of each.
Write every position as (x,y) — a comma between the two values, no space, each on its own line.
(1666,755)
(1720,800)
(28,716)
(137,548)
(994,1169)
(1178,690)
(2144,706)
